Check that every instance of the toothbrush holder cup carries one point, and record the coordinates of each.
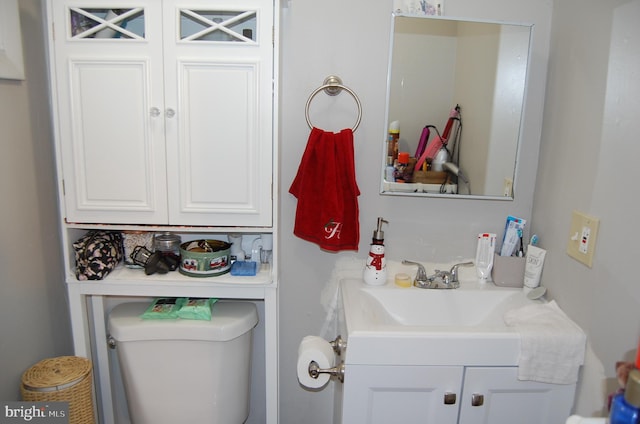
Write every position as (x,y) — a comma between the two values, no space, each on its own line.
(508,271)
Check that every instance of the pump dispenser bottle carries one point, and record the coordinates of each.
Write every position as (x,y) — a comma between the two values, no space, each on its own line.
(625,408)
(375,270)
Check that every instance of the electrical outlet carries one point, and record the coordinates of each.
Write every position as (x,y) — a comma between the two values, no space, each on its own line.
(507,187)
(582,237)
(583,245)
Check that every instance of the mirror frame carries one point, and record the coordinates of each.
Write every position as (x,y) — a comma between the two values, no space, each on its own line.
(11,59)
(411,192)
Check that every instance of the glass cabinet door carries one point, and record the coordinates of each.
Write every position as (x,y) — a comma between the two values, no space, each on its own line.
(121,23)
(218,25)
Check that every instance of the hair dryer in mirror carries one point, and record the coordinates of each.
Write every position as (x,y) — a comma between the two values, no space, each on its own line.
(455,170)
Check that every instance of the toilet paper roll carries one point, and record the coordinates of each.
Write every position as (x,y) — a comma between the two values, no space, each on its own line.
(314,348)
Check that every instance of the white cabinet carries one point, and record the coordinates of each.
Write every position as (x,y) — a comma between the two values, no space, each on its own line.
(392,394)
(164,115)
(449,395)
(494,395)
(164,111)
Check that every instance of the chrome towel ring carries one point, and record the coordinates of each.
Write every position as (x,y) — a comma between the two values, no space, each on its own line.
(332,85)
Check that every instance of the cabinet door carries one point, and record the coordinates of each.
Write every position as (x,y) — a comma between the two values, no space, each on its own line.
(108,98)
(399,394)
(507,400)
(219,85)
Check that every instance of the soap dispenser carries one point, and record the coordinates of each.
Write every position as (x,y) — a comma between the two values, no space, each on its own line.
(625,407)
(375,270)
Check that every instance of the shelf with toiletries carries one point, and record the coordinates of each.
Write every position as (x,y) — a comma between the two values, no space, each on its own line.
(241,244)
(122,276)
(418,188)
(401,176)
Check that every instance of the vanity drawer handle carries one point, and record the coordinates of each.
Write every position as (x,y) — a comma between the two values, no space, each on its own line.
(477,399)
(449,398)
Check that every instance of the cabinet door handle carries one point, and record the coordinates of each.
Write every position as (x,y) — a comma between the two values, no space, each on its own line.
(154,112)
(477,399)
(170,113)
(449,398)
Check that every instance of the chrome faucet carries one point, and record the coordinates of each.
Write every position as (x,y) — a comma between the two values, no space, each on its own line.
(421,280)
(440,279)
(454,271)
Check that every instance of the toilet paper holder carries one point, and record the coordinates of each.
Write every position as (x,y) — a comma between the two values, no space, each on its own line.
(338,345)
(337,371)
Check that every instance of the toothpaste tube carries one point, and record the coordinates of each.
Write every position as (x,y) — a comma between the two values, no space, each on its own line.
(533,267)
(512,235)
(484,255)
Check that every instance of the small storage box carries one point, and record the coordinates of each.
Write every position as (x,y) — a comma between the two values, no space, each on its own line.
(62,379)
(430,177)
(508,271)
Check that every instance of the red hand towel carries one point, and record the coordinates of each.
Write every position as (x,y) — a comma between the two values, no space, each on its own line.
(327,192)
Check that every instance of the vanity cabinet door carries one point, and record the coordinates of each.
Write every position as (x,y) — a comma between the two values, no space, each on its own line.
(494,395)
(401,394)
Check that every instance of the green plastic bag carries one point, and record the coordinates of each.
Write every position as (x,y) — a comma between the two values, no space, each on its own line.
(196,308)
(164,308)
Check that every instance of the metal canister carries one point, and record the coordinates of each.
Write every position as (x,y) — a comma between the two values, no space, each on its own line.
(167,242)
(169,245)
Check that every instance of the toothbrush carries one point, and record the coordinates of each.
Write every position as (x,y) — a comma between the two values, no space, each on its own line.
(521,250)
(534,240)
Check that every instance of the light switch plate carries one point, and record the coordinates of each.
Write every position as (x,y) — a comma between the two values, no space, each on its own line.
(582,237)
(507,189)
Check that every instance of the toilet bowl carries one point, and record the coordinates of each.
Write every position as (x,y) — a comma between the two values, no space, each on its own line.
(185,370)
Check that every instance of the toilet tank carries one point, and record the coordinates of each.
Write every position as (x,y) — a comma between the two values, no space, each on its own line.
(185,370)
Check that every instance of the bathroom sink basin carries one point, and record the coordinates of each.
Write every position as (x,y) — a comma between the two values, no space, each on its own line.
(454,308)
(412,326)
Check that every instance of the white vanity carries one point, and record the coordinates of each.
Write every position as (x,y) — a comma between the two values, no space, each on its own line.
(439,356)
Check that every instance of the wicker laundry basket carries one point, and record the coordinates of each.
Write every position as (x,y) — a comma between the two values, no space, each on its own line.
(62,379)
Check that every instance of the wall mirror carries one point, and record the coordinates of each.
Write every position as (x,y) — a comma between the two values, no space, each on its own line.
(456,90)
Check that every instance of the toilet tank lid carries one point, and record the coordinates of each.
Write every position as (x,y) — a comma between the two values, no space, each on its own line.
(228,321)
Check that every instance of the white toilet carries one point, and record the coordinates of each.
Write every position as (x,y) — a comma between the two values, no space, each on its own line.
(178,371)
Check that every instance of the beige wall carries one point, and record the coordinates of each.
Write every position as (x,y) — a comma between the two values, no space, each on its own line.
(589,162)
(33,311)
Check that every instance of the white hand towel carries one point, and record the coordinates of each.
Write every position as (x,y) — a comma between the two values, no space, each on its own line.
(552,346)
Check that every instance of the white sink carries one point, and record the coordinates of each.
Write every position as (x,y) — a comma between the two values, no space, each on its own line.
(411,326)
(428,307)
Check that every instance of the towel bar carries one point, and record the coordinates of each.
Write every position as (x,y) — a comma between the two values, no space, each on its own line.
(332,85)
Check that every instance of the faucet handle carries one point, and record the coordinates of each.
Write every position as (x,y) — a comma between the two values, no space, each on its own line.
(421,276)
(454,270)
